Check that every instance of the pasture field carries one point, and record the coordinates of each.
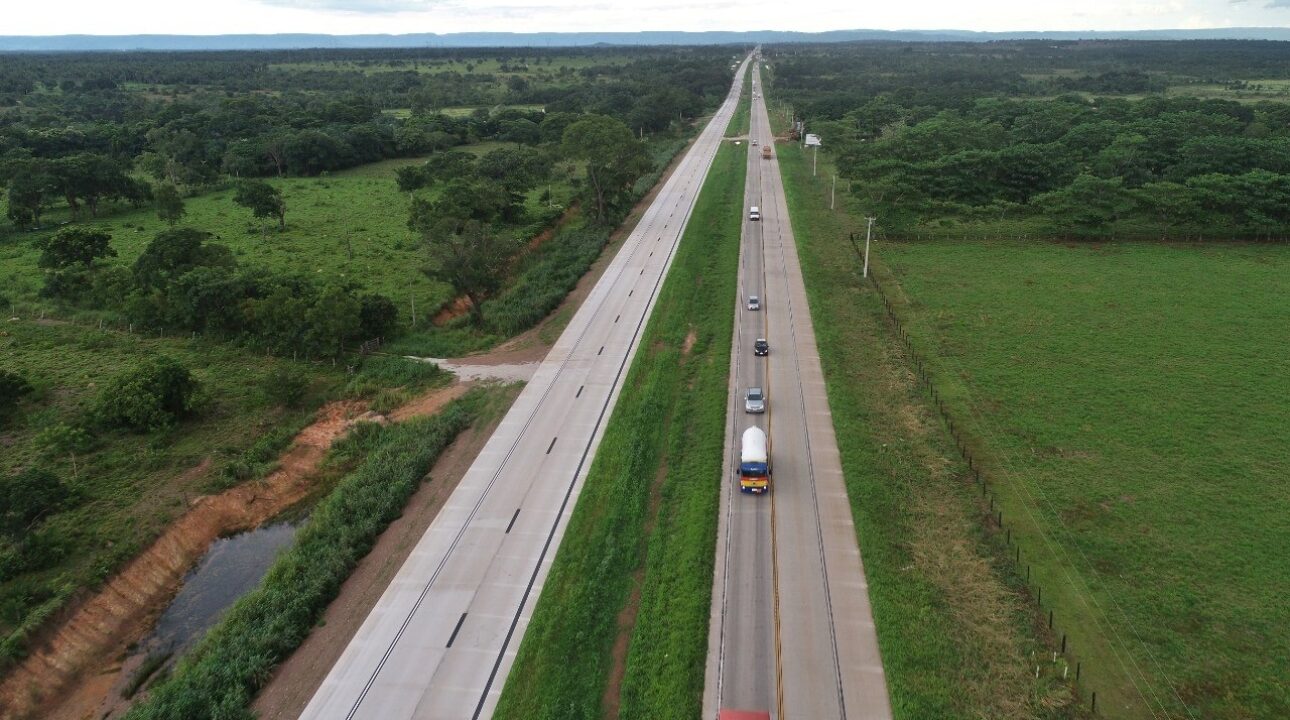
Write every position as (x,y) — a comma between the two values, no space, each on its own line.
(350,226)
(955,631)
(1131,399)
(621,626)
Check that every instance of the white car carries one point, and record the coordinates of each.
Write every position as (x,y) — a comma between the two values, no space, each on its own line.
(754,213)
(754,302)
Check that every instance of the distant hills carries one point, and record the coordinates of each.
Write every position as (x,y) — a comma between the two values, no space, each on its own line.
(285,41)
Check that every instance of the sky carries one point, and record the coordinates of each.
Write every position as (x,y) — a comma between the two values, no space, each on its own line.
(347,17)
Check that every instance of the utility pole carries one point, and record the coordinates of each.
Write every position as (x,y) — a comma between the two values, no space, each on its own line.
(867,233)
(815,153)
(833,191)
(414,310)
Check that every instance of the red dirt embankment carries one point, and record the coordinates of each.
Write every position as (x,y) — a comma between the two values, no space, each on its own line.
(121,612)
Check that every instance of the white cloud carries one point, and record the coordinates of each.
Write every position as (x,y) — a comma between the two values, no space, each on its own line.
(204,17)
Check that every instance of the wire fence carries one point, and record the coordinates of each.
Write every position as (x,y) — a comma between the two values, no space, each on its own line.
(1062,661)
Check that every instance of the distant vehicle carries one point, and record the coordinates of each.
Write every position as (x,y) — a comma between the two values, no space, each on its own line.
(761,347)
(743,715)
(755,401)
(765,152)
(754,213)
(754,463)
(754,302)
(754,142)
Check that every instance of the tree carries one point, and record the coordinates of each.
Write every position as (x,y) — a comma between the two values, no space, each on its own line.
(467,256)
(377,316)
(1088,206)
(170,206)
(173,253)
(153,396)
(614,158)
(73,246)
(410,178)
(27,497)
(332,318)
(518,169)
(264,201)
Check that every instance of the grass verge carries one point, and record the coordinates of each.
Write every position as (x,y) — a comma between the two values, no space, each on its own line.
(621,626)
(955,629)
(219,678)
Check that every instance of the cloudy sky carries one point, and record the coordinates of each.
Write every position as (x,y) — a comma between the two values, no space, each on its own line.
(203,17)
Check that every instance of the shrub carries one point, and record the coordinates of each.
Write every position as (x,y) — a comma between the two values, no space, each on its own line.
(285,386)
(27,497)
(377,316)
(153,396)
(12,387)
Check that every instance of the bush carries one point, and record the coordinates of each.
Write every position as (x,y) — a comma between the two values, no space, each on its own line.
(377,316)
(27,497)
(153,396)
(12,387)
(285,386)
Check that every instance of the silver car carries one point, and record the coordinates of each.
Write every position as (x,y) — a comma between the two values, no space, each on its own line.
(755,401)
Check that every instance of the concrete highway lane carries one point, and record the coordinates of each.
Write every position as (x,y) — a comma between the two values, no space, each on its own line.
(791,628)
(442,638)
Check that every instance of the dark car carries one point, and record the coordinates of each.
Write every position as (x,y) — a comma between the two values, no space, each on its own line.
(761,347)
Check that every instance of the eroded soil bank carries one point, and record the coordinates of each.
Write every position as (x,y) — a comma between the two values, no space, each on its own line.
(74,672)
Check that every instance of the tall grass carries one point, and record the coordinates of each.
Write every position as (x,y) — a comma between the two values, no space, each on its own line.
(220,677)
(643,533)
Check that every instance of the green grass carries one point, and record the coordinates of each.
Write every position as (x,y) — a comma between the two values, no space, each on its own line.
(739,122)
(219,678)
(128,486)
(347,227)
(955,632)
(644,529)
(1131,401)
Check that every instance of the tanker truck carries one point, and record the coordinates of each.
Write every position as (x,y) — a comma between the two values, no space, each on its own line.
(754,462)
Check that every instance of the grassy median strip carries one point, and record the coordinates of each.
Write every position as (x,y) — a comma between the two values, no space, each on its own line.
(621,626)
(220,677)
(955,633)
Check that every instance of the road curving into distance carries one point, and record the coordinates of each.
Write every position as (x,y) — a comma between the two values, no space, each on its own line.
(442,638)
(791,628)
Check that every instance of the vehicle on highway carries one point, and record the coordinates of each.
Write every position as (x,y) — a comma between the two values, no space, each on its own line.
(754,302)
(765,152)
(761,347)
(754,142)
(754,462)
(754,213)
(743,715)
(755,401)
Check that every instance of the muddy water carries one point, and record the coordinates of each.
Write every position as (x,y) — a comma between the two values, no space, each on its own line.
(231,568)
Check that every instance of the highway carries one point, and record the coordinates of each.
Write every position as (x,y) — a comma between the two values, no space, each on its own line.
(791,628)
(442,638)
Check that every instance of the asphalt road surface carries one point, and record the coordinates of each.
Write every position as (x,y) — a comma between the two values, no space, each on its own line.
(791,628)
(442,638)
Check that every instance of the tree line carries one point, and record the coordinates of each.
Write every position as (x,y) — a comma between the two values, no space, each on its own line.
(1071,164)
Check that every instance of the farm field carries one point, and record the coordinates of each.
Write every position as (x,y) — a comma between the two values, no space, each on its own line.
(1131,400)
(621,625)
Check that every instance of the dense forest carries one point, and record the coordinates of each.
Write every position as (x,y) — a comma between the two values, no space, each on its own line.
(1092,139)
